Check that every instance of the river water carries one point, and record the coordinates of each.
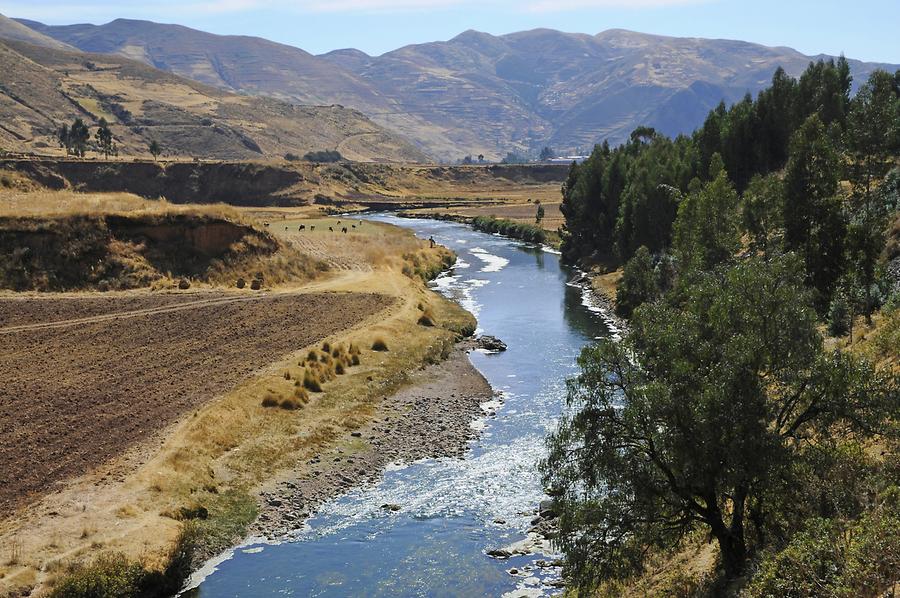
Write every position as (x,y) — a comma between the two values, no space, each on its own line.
(453,510)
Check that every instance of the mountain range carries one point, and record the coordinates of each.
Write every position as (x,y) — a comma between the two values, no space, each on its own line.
(476,93)
(47,83)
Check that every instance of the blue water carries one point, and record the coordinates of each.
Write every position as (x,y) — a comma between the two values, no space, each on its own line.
(453,510)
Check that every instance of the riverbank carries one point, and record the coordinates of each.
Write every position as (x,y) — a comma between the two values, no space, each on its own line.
(430,417)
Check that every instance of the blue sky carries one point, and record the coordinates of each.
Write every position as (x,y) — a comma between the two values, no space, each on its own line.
(864,29)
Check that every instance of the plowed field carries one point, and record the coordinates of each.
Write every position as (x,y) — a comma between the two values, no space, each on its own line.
(81,380)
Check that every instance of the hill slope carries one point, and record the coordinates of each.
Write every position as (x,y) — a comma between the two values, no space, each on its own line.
(46,87)
(476,93)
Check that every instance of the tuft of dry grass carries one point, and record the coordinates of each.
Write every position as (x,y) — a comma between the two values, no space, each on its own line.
(427,318)
(311,381)
(379,345)
(270,400)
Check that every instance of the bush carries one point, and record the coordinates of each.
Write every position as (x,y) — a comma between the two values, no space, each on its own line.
(290,404)
(354,360)
(311,382)
(427,318)
(839,316)
(379,345)
(291,157)
(339,369)
(323,156)
(270,400)
(508,228)
(110,576)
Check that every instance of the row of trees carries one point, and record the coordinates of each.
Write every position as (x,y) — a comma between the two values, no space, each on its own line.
(76,138)
(720,411)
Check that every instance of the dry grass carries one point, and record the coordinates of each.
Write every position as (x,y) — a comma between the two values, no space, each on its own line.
(379,345)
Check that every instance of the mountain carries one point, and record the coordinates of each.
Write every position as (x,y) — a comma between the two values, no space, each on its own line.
(13,30)
(476,93)
(44,87)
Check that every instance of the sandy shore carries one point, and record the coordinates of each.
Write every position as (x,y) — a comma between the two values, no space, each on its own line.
(431,417)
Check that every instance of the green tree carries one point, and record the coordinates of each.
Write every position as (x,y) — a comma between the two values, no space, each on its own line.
(539,214)
(155,149)
(873,143)
(547,153)
(695,418)
(814,221)
(638,284)
(706,230)
(74,138)
(104,139)
(761,212)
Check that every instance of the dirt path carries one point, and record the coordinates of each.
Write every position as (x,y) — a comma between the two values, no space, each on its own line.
(78,392)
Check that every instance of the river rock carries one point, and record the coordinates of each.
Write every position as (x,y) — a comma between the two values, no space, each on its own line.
(547,509)
(391,507)
(491,343)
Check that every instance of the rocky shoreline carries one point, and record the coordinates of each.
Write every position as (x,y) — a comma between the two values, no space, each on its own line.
(429,418)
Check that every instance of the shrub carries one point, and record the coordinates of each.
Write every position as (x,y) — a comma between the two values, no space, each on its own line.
(290,404)
(287,375)
(312,356)
(241,283)
(354,360)
(354,349)
(270,400)
(336,352)
(301,395)
(839,316)
(379,345)
(323,156)
(426,319)
(326,347)
(311,382)
(111,575)
(339,369)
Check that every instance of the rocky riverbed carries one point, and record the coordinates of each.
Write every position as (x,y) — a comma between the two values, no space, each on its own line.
(430,418)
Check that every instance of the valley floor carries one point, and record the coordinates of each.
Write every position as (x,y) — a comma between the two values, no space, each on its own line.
(134,414)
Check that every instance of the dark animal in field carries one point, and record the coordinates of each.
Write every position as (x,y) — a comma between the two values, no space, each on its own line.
(331,228)
(285,228)
(302,227)
(266,224)
(312,227)
(344,230)
(338,221)
(353,225)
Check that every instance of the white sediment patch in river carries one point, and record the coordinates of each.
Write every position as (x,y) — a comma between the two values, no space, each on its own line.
(493,263)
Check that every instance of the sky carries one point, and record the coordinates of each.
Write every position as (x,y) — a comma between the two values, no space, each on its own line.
(863,29)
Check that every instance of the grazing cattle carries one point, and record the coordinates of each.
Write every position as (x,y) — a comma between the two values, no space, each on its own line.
(302,227)
(331,228)
(266,224)
(312,227)
(285,228)
(344,230)
(338,221)
(353,225)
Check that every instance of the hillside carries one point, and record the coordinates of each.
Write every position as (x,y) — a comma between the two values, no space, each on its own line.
(476,93)
(44,87)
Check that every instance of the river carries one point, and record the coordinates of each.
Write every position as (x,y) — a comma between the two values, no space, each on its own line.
(452,510)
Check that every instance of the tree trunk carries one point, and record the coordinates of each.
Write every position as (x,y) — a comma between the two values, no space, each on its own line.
(731,542)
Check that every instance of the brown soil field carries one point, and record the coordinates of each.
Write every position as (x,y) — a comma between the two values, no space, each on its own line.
(109,374)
